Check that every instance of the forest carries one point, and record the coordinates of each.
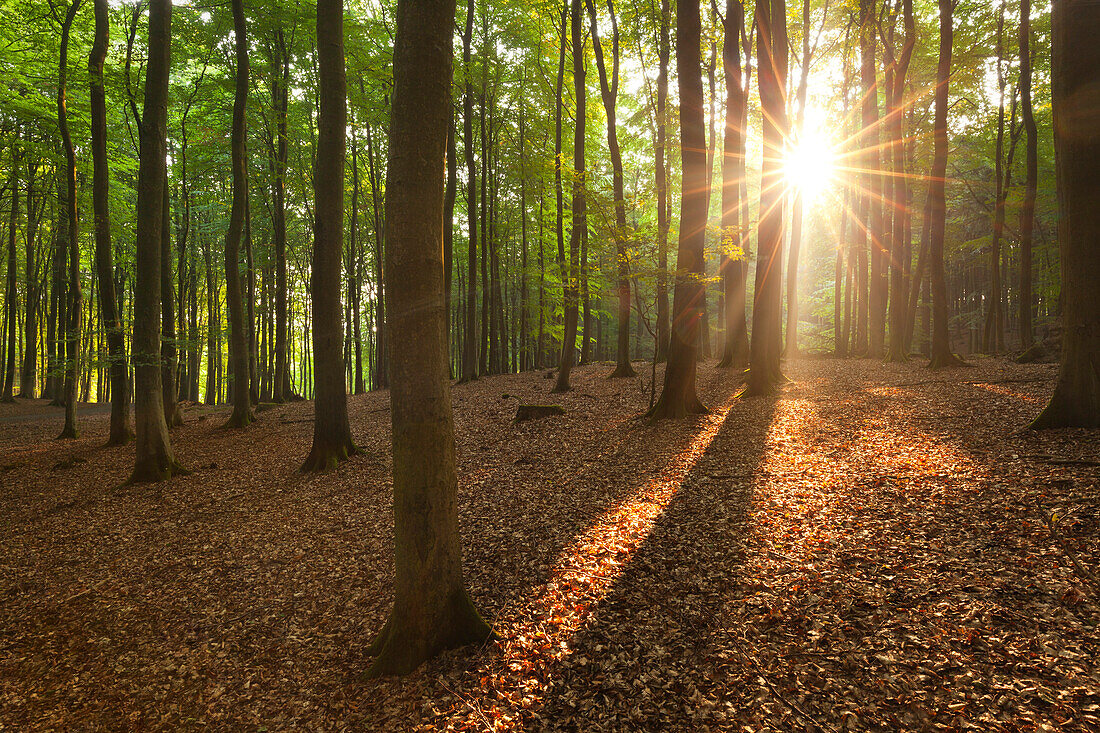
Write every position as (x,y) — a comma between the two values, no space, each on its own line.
(517,365)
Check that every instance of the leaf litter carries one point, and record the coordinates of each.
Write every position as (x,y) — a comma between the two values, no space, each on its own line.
(876,547)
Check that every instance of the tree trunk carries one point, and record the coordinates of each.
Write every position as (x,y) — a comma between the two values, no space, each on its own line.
(678,396)
(281,387)
(120,431)
(580,220)
(154,460)
(733,258)
(901,255)
(332,441)
(993,336)
(11,295)
(1031,185)
(28,376)
(432,610)
(663,205)
(68,210)
(941,355)
(872,179)
(168,347)
(469,346)
(1076,58)
(764,369)
(609,92)
(238,338)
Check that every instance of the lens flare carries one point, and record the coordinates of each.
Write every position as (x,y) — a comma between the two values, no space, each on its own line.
(810,165)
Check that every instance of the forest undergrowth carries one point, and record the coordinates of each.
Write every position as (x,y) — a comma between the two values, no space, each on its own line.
(868,550)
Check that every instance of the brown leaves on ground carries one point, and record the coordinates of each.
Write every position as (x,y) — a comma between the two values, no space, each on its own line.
(863,551)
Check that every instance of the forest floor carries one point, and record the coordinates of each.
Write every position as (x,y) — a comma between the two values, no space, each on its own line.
(867,550)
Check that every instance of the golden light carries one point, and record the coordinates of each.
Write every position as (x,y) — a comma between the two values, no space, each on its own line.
(810,165)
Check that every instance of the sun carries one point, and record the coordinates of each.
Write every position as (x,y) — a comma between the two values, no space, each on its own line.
(810,165)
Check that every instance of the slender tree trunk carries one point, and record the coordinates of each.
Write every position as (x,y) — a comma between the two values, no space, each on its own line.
(734,244)
(168,348)
(993,336)
(282,389)
(663,205)
(68,210)
(678,395)
(11,295)
(28,375)
(580,220)
(120,431)
(1031,185)
(764,368)
(238,337)
(941,355)
(469,350)
(332,441)
(609,91)
(154,460)
(900,250)
(450,194)
(872,180)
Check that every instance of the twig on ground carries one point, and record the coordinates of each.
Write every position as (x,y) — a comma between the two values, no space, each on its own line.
(1052,523)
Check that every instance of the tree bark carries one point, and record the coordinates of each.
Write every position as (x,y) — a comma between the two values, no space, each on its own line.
(941,355)
(238,339)
(432,610)
(900,250)
(663,206)
(469,346)
(764,373)
(678,395)
(11,295)
(120,431)
(734,251)
(1076,58)
(609,92)
(68,210)
(580,218)
(1031,185)
(332,441)
(154,460)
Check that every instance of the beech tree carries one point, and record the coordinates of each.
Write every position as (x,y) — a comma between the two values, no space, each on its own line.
(580,219)
(332,441)
(238,347)
(678,395)
(120,431)
(1076,72)
(764,368)
(69,206)
(942,355)
(734,255)
(153,459)
(432,610)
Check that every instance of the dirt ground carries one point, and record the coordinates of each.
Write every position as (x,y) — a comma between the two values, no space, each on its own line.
(867,550)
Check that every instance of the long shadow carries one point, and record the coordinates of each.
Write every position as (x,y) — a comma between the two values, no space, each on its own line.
(644,660)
